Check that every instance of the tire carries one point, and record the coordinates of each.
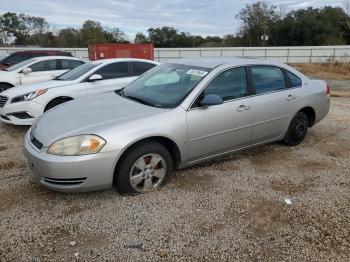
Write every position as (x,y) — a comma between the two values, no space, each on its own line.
(137,174)
(297,130)
(4,86)
(56,102)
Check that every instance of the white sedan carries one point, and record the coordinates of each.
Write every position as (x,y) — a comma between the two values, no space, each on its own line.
(22,104)
(36,69)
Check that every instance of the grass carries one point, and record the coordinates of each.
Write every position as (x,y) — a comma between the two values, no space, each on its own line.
(334,71)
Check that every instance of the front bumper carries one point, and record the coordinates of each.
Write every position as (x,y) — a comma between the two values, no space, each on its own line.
(9,111)
(70,173)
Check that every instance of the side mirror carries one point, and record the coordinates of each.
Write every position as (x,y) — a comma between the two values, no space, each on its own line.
(95,77)
(27,70)
(211,100)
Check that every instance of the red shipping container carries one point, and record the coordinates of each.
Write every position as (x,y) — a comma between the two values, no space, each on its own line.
(105,51)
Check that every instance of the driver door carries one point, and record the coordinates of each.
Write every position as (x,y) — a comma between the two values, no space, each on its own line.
(216,129)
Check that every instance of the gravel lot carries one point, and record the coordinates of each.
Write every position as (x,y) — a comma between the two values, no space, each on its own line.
(228,209)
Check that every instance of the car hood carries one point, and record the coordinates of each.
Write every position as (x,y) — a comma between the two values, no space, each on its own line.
(24,89)
(85,115)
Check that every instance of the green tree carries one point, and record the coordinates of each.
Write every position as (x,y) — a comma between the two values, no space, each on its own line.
(258,20)
(140,38)
(115,35)
(69,37)
(92,33)
(313,26)
(22,26)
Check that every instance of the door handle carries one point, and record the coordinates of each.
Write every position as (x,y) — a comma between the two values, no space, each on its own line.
(242,108)
(290,97)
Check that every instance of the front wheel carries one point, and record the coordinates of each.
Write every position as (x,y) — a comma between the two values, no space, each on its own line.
(144,168)
(297,130)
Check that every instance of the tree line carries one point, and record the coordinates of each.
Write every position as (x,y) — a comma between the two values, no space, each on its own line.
(260,25)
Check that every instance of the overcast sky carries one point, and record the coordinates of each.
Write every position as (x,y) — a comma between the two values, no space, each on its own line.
(208,17)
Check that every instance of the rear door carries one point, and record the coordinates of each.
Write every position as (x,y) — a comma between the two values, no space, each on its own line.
(219,128)
(114,76)
(272,105)
(41,71)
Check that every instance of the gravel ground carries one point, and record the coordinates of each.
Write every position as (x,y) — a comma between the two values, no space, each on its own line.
(228,209)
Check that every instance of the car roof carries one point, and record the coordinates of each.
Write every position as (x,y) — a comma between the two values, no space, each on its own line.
(212,62)
(41,58)
(112,60)
(41,51)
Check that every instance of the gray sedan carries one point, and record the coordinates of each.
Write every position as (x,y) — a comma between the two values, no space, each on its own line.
(176,115)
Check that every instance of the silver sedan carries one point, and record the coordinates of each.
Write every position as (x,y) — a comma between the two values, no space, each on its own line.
(176,115)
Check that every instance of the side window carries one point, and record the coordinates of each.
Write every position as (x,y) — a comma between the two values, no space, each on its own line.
(229,85)
(48,65)
(267,79)
(70,64)
(294,80)
(141,67)
(115,70)
(17,58)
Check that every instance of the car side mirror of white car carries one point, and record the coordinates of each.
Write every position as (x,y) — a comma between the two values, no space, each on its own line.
(95,77)
(27,70)
(211,100)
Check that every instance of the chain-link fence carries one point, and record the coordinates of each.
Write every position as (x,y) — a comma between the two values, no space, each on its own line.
(301,54)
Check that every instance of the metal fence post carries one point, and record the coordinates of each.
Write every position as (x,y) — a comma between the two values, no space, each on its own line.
(288,55)
(310,60)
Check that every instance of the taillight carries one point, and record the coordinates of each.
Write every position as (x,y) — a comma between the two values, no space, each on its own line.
(328,90)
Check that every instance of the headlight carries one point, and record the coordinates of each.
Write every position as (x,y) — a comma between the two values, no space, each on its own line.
(28,96)
(77,145)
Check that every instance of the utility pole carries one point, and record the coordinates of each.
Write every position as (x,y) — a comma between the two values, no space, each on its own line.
(264,36)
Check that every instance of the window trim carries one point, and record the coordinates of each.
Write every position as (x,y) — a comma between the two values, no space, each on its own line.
(249,89)
(250,85)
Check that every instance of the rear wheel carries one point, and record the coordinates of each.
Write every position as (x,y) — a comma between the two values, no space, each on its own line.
(4,86)
(297,130)
(56,102)
(144,168)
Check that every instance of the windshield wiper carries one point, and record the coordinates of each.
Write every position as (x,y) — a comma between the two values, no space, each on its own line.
(140,100)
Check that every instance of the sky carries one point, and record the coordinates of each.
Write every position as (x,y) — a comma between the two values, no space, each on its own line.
(208,17)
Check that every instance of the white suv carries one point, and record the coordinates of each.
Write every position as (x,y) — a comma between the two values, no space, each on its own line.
(22,104)
(36,70)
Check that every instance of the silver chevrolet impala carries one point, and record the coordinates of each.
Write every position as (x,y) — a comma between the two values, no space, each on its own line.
(176,115)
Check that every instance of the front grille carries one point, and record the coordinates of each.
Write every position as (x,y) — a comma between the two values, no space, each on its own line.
(5,118)
(3,100)
(21,115)
(65,181)
(36,143)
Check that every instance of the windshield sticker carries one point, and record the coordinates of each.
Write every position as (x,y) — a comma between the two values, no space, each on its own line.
(197,72)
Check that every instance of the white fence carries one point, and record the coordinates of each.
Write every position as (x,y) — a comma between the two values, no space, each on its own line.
(300,54)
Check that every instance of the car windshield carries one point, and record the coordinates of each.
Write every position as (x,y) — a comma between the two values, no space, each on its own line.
(166,85)
(76,72)
(19,65)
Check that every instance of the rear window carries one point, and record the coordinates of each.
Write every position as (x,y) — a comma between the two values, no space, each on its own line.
(70,64)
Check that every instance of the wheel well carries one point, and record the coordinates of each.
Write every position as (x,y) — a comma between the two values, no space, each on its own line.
(311,115)
(64,98)
(168,143)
